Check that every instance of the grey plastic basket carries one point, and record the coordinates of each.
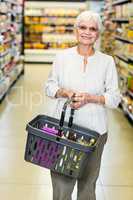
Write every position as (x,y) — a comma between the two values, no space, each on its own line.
(55,153)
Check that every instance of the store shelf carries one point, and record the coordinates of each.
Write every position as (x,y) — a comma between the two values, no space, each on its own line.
(50,23)
(121,47)
(12,2)
(110,11)
(130,59)
(43,15)
(130,115)
(5,29)
(118,2)
(120,20)
(123,39)
(40,55)
(4,53)
(11,61)
(69,5)
(126,111)
(2,97)
(67,28)
(126,59)
(4,13)
(130,93)
(49,28)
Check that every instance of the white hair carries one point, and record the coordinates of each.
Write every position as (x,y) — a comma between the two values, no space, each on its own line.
(87,16)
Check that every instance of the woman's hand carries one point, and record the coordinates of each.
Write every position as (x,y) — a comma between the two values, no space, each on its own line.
(64,93)
(81,99)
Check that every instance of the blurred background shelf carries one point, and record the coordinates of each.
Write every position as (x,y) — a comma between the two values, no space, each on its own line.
(11,45)
(118,24)
(49,28)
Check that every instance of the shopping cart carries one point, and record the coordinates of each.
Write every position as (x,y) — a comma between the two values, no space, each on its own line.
(66,152)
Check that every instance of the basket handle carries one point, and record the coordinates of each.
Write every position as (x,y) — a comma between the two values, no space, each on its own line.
(61,122)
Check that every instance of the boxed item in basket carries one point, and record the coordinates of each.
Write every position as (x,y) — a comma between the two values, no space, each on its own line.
(59,146)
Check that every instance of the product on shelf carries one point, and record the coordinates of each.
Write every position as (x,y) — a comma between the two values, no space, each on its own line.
(130,33)
(50,27)
(130,83)
(123,10)
(39,29)
(127,104)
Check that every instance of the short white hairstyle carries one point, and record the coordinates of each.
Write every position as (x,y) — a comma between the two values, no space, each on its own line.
(88,16)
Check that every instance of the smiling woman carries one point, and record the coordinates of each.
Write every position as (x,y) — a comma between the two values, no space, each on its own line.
(90,77)
(87,32)
(87,28)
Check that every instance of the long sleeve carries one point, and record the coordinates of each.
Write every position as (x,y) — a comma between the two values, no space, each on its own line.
(112,94)
(52,84)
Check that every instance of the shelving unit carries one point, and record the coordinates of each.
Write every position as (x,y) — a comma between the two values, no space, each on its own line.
(124,39)
(120,19)
(123,21)
(119,2)
(107,39)
(49,28)
(11,47)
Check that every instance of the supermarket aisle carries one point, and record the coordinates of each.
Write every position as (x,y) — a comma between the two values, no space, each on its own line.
(24,181)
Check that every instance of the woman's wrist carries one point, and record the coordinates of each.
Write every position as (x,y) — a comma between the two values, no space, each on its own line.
(100,100)
(60,93)
(96,99)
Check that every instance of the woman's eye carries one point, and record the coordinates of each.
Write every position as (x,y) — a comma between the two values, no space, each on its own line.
(93,29)
(82,27)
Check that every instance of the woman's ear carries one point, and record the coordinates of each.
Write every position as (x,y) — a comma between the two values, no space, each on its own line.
(98,35)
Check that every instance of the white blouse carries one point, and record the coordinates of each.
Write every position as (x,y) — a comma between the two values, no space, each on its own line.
(100,78)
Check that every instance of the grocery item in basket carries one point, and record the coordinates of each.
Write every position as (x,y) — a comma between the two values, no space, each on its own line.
(91,142)
(69,135)
(72,136)
(82,141)
(49,130)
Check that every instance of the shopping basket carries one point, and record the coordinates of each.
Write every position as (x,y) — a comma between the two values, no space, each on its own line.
(57,153)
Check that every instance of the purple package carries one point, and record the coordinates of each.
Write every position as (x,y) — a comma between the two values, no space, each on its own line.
(51,131)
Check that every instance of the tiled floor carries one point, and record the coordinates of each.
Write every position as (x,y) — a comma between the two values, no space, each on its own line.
(24,181)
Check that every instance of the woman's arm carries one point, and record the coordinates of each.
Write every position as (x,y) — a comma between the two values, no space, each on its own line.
(112,93)
(52,84)
(53,88)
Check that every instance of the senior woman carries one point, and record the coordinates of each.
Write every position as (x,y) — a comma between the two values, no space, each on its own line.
(92,76)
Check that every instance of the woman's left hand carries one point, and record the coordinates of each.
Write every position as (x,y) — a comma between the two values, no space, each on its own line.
(79,100)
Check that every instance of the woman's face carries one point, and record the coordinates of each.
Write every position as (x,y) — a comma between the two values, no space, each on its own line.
(87,32)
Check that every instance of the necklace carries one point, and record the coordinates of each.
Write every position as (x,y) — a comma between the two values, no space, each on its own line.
(85,60)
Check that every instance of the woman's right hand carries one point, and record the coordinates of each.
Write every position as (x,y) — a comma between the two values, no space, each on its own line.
(62,92)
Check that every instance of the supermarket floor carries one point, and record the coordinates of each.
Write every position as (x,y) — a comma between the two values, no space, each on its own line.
(24,181)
